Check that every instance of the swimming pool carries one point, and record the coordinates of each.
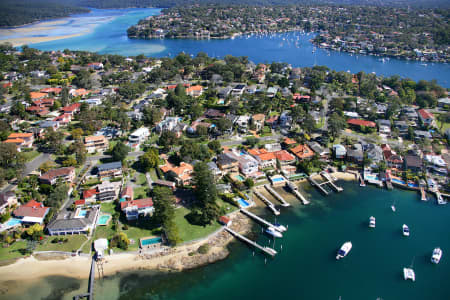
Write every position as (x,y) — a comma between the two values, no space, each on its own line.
(370,177)
(103,220)
(413,185)
(150,241)
(81,213)
(277,179)
(239,177)
(13,222)
(243,203)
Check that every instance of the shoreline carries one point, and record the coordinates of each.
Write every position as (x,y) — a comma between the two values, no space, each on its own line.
(172,259)
(17,42)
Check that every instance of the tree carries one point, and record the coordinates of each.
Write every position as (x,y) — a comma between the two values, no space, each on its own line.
(69,162)
(64,96)
(149,160)
(77,133)
(167,140)
(215,146)
(54,140)
(164,214)
(335,124)
(309,124)
(35,231)
(207,209)
(120,240)
(58,195)
(120,151)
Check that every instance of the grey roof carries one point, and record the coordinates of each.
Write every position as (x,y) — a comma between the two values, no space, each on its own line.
(72,223)
(109,166)
(225,159)
(46,124)
(413,161)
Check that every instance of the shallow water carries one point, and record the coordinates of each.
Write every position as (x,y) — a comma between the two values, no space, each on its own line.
(306,268)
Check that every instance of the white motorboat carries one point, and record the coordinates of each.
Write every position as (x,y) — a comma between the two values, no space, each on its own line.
(393,208)
(345,249)
(408,273)
(437,254)
(372,222)
(273,232)
(280,228)
(405,230)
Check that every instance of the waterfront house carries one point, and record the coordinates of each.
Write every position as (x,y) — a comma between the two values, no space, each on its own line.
(339,151)
(426,117)
(265,159)
(303,152)
(7,200)
(413,163)
(31,212)
(108,191)
(110,170)
(355,153)
(82,221)
(374,153)
(227,163)
(319,150)
(66,175)
(135,208)
(96,143)
(215,171)
(393,160)
(284,158)
(181,175)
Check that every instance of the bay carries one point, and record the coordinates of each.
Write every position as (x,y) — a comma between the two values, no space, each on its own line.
(107,34)
(306,268)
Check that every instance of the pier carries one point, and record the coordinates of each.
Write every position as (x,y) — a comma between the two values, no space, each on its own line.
(318,185)
(423,194)
(276,195)
(90,294)
(389,185)
(360,179)
(266,250)
(295,191)
(440,199)
(261,220)
(269,204)
(330,181)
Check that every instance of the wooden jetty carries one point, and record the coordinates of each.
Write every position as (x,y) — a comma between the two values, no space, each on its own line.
(90,294)
(269,204)
(423,194)
(266,250)
(360,179)
(261,220)
(389,185)
(330,181)
(276,195)
(318,185)
(295,191)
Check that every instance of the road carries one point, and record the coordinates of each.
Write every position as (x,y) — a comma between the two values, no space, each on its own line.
(239,140)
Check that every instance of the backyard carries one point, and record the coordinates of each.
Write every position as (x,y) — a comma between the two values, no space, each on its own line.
(73,243)
(13,251)
(189,232)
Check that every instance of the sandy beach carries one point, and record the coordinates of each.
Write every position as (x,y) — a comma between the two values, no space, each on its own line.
(16,42)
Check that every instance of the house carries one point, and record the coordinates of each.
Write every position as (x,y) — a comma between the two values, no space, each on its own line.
(339,151)
(271,92)
(247,164)
(224,92)
(49,124)
(402,127)
(90,196)
(21,140)
(217,173)
(194,91)
(258,121)
(37,95)
(421,135)
(272,147)
(32,212)
(64,174)
(135,208)
(108,191)
(45,102)
(75,223)
(96,65)
(318,149)
(384,126)
(181,174)
(169,184)
(138,136)
(110,170)
(374,153)
(127,193)
(71,109)
(426,117)
(284,157)
(266,159)
(355,153)
(92,101)
(227,163)
(63,119)
(302,152)
(359,123)
(413,163)
(7,200)
(242,123)
(393,160)
(212,113)
(51,90)
(224,220)
(96,143)
(238,90)
(171,124)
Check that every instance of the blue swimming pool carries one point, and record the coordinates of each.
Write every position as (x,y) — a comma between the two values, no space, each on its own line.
(414,185)
(82,213)
(239,177)
(243,203)
(277,179)
(13,222)
(103,220)
(151,241)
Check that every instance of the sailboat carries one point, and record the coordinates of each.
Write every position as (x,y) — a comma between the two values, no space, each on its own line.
(408,273)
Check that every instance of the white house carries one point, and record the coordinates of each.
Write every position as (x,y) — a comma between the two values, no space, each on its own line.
(138,136)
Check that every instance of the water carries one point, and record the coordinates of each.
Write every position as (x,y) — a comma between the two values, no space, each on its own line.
(108,35)
(306,267)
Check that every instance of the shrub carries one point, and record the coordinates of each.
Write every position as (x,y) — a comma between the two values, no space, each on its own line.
(203,249)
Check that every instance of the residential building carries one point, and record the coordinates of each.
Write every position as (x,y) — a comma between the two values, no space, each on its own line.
(66,175)
(393,160)
(75,223)
(384,127)
(238,90)
(27,138)
(426,117)
(285,158)
(108,191)
(127,194)
(96,143)
(318,149)
(7,200)
(110,170)
(138,136)
(247,164)
(181,174)
(402,127)
(302,152)
(242,123)
(217,173)
(359,123)
(339,151)
(71,109)
(227,163)
(169,184)
(272,147)
(355,153)
(135,208)
(258,121)
(374,153)
(413,163)
(31,212)
(194,91)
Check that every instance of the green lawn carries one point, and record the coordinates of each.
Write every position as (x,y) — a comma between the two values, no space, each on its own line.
(30,155)
(153,175)
(140,192)
(108,207)
(12,251)
(445,126)
(141,179)
(136,233)
(74,243)
(189,232)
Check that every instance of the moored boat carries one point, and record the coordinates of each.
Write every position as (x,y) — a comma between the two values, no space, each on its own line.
(279,227)
(405,230)
(372,221)
(436,256)
(393,208)
(344,250)
(273,232)
(408,273)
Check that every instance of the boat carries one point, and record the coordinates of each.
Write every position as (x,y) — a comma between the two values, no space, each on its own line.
(437,254)
(279,227)
(273,232)
(405,230)
(372,222)
(345,249)
(393,208)
(408,273)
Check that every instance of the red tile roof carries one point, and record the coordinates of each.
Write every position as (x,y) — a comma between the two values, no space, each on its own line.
(33,203)
(359,122)
(36,212)
(57,172)
(140,203)
(302,151)
(80,202)
(283,155)
(425,114)
(89,193)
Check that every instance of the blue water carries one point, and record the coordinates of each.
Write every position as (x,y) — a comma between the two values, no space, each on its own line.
(108,35)
(82,213)
(151,241)
(239,177)
(243,203)
(398,181)
(103,220)
(277,179)
(13,222)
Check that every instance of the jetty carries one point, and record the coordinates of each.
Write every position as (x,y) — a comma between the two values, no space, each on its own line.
(266,250)
(269,204)
(276,195)
(318,185)
(261,220)
(360,179)
(90,294)
(440,199)
(330,181)
(423,194)
(295,191)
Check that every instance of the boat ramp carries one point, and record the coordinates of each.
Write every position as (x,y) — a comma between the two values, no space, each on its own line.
(266,250)
(261,220)
(276,195)
(269,204)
